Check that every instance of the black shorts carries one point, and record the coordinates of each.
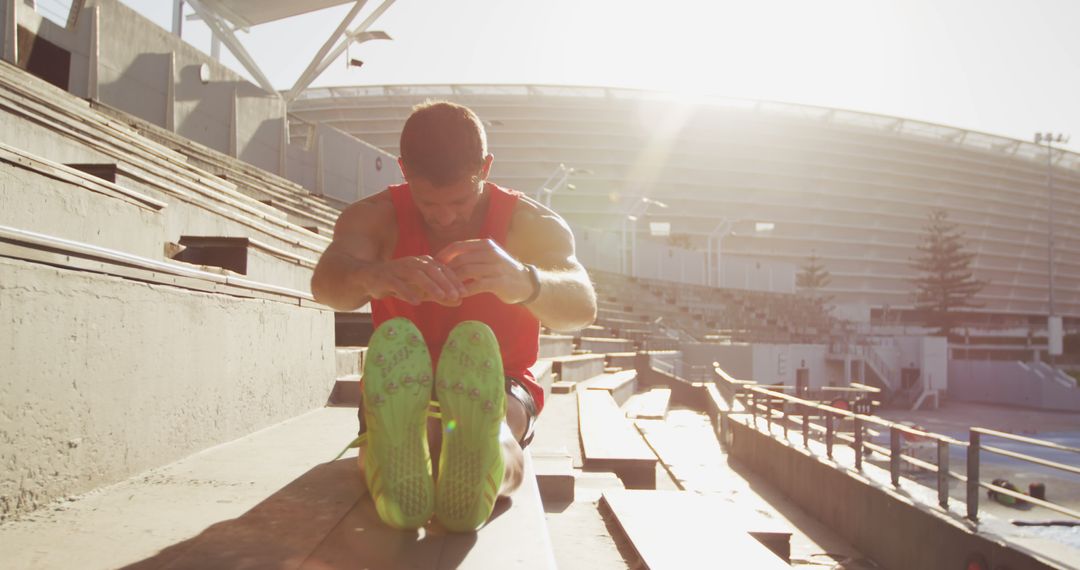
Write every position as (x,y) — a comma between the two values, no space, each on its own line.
(515,388)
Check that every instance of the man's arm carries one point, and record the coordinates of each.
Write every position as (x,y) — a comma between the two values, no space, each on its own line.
(539,237)
(352,271)
(567,300)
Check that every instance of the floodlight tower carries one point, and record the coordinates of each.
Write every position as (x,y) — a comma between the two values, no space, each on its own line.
(637,210)
(1053,323)
(559,179)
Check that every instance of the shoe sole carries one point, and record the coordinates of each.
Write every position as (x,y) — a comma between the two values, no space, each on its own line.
(470,387)
(396,391)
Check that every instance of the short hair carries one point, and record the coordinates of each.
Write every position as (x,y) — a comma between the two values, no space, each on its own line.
(443,142)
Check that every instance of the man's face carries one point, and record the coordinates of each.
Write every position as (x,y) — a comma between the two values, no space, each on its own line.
(448,209)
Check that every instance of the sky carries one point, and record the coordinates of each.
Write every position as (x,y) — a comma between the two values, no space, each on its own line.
(1004,67)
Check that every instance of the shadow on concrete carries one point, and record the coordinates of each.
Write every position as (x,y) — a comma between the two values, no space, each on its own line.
(835,552)
(322,520)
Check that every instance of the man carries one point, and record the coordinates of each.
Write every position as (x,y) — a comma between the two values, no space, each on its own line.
(473,269)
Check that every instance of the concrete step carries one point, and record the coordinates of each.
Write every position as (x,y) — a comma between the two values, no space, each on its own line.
(609,442)
(561,387)
(346,392)
(594,331)
(553,345)
(621,385)
(605,345)
(350,360)
(577,368)
(621,359)
(666,530)
(590,485)
(272,499)
(554,475)
(652,405)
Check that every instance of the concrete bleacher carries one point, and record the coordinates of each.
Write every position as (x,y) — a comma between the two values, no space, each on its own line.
(708,313)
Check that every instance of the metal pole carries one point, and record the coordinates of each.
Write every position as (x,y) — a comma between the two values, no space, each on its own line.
(828,433)
(708,261)
(943,473)
(973,476)
(894,456)
(178,18)
(720,259)
(784,415)
(806,426)
(1050,244)
(858,443)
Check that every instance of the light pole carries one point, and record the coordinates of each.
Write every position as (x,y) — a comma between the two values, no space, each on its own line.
(722,230)
(557,181)
(637,210)
(1053,323)
(713,274)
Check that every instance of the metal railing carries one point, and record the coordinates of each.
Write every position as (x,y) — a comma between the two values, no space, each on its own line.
(774,405)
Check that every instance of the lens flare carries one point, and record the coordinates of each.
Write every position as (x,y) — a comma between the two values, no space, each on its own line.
(451,426)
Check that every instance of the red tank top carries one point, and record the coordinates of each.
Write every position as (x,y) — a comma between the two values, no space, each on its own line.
(515,326)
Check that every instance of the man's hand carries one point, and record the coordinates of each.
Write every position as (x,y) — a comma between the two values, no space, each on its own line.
(485,267)
(414,280)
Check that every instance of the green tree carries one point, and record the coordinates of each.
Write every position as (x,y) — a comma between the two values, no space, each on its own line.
(946,282)
(813,277)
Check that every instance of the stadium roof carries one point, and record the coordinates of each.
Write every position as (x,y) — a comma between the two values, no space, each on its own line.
(963,138)
(224,17)
(247,13)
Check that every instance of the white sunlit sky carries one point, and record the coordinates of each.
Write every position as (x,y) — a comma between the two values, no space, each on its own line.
(1006,67)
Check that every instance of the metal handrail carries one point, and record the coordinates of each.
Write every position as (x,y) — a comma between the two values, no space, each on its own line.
(771,395)
(1022,439)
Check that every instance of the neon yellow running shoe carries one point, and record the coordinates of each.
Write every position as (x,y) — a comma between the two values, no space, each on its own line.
(470,387)
(397,389)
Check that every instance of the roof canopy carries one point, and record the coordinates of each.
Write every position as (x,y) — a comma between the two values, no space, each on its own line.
(247,13)
(225,17)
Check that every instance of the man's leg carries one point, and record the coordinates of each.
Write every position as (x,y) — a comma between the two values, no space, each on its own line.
(395,392)
(471,390)
(510,438)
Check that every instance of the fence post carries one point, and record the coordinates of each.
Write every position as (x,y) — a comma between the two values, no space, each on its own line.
(805,426)
(894,455)
(973,477)
(828,433)
(768,413)
(753,407)
(858,443)
(943,473)
(784,416)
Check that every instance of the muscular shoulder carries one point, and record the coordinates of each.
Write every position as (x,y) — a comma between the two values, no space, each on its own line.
(371,219)
(539,235)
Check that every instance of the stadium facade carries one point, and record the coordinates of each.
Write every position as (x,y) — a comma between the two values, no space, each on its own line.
(852,188)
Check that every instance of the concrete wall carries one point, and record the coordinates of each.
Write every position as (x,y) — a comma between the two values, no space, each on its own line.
(879,522)
(341,166)
(1009,383)
(105,377)
(737,359)
(36,203)
(767,363)
(144,70)
(935,363)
